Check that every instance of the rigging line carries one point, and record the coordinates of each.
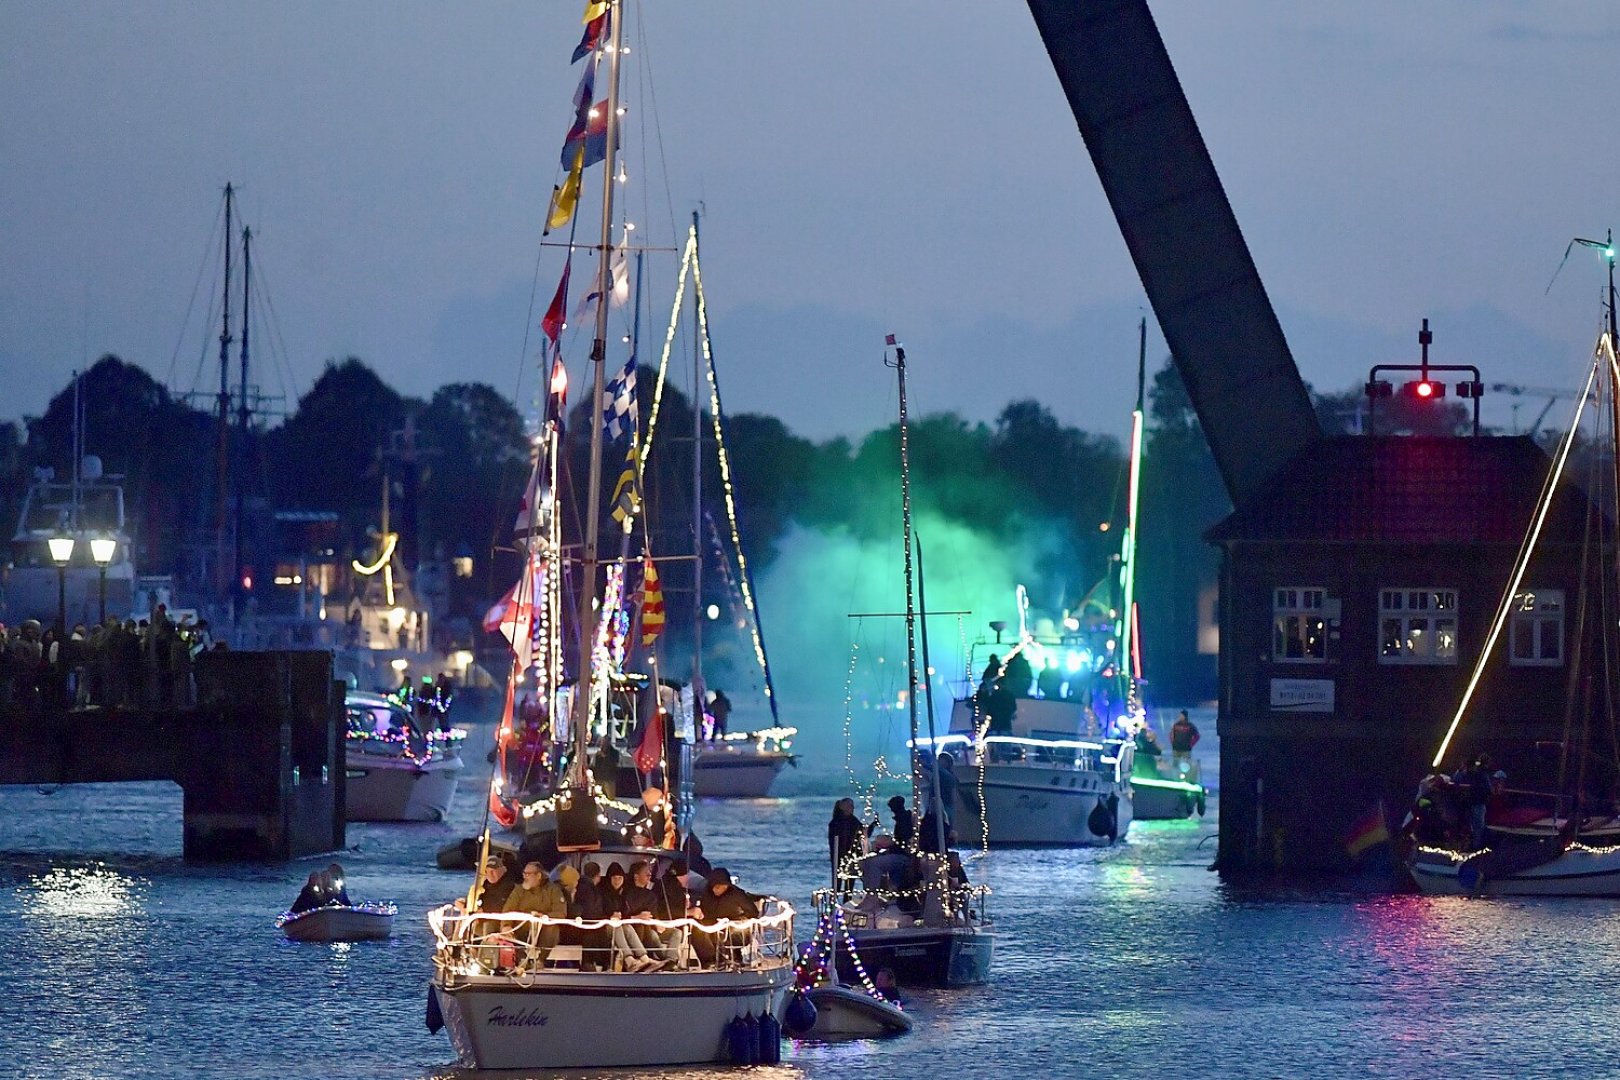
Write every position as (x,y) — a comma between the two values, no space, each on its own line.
(658,125)
(1521,563)
(278,344)
(210,260)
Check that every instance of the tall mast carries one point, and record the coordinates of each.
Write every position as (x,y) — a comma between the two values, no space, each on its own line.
(697,493)
(1127,562)
(899,366)
(587,592)
(222,450)
(936,802)
(243,415)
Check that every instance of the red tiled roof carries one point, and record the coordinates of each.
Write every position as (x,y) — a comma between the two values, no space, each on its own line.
(1403,490)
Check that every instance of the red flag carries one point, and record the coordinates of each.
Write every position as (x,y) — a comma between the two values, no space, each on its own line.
(595,31)
(557,313)
(504,813)
(557,400)
(650,751)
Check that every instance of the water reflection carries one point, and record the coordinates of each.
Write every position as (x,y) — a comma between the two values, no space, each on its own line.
(89,892)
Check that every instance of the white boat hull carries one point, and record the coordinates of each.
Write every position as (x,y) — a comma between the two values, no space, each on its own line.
(569,1020)
(339,924)
(843,1012)
(1033,804)
(397,789)
(721,772)
(1576,872)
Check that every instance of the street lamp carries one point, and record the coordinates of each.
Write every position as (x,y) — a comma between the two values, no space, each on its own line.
(61,552)
(102,550)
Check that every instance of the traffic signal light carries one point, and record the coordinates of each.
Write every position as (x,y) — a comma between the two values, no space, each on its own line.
(1424,389)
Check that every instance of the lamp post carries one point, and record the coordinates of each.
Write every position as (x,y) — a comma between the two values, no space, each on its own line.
(102,550)
(61,552)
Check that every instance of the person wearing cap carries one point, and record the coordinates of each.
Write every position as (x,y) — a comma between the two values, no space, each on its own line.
(497,885)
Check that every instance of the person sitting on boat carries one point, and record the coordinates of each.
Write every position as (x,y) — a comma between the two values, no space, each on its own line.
(889,868)
(1148,752)
(673,903)
(311,896)
(883,982)
(722,900)
(635,945)
(497,885)
(537,894)
(336,893)
(590,905)
(1183,737)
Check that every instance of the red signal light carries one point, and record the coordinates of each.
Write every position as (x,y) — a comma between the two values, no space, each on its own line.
(1425,389)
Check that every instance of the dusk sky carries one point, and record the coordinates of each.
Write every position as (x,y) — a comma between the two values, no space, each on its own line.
(908,167)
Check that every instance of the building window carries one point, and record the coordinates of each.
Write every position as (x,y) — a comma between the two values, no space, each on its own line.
(1536,629)
(1299,624)
(1417,626)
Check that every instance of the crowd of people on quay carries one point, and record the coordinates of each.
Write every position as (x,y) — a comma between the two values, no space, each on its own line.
(121,663)
(598,894)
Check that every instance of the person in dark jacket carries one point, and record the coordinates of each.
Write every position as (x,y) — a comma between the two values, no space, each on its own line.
(905,823)
(1183,737)
(310,896)
(612,890)
(640,901)
(844,835)
(722,900)
(590,904)
(498,885)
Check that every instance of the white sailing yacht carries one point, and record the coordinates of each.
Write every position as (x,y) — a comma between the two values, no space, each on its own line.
(908,908)
(520,990)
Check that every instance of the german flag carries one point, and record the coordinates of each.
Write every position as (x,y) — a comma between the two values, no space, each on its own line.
(1369,831)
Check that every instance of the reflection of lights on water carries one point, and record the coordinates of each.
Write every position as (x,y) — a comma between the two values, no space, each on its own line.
(88,891)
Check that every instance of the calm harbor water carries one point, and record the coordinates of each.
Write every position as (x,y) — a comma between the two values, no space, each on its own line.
(118,959)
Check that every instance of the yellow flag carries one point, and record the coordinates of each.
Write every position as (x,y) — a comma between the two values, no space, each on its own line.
(565,198)
(594,9)
(627,492)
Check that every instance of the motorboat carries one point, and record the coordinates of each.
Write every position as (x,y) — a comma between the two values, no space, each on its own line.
(1164,790)
(395,771)
(371,921)
(1044,783)
(743,764)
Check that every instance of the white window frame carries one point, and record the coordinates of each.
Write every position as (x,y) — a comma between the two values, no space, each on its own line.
(1535,614)
(1425,634)
(1300,606)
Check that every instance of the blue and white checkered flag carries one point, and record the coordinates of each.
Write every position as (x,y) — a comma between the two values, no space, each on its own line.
(619,414)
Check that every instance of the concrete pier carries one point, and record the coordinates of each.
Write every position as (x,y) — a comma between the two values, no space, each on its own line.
(259,757)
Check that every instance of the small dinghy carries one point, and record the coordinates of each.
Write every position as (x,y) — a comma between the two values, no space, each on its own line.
(842,1012)
(362,922)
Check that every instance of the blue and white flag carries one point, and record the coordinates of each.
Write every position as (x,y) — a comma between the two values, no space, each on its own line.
(619,413)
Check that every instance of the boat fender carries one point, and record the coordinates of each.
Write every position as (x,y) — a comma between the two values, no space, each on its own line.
(770,1039)
(742,1041)
(1470,877)
(435,1018)
(1200,802)
(1101,822)
(800,1016)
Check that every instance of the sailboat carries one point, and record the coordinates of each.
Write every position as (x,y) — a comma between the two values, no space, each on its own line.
(725,763)
(521,990)
(910,908)
(1469,834)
